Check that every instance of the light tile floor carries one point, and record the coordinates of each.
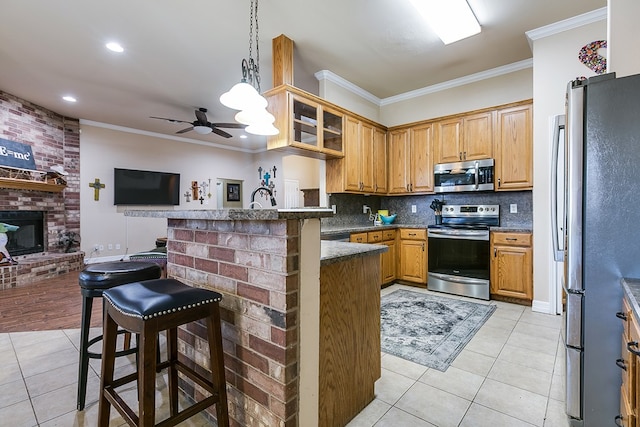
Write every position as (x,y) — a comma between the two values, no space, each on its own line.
(510,374)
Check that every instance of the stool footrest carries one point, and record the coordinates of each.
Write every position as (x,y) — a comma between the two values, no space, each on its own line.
(125,411)
(120,353)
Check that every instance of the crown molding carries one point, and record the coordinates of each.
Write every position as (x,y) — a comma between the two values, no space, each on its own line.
(169,137)
(567,24)
(346,84)
(471,78)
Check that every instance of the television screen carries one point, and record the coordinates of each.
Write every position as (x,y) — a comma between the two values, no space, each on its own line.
(135,187)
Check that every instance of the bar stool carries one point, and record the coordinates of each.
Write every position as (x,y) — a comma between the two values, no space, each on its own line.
(145,308)
(94,280)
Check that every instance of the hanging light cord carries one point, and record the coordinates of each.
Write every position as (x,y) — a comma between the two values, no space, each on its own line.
(251,69)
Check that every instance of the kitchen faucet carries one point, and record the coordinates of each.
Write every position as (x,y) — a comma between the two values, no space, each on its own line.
(268,190)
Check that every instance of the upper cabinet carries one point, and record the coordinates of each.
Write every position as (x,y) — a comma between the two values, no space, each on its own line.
(469,137)
(309,126)
(364,166)
(410,160)
(514,148)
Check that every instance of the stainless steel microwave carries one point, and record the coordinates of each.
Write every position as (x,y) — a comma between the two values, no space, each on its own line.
(472,175)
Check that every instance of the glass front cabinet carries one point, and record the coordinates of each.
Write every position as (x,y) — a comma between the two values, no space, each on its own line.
(308,125)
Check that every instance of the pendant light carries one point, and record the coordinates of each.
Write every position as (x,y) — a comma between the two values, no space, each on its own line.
(245,96)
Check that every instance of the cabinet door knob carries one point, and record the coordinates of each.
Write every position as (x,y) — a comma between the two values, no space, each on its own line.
(621,315)
(620,364)
(460,155)
(618,420)
(498,182)
(465,155)
(495,253)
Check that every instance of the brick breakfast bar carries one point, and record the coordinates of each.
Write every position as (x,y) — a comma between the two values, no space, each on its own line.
(289,359)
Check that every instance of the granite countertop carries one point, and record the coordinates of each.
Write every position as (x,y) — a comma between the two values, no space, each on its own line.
(332,252)
(234,214)
(512,229)
(631,288)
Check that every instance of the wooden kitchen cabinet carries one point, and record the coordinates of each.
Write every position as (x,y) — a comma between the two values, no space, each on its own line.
(410,160)
(514,148)
(469,137)
(364,166)
(512,265)
(413,255)
(309,126)
(628,364)
(387,259)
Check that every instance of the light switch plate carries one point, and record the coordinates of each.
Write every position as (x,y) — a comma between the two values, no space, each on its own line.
(414,209)
(513,208)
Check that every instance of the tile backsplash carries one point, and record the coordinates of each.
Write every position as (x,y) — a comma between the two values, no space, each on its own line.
(349,207)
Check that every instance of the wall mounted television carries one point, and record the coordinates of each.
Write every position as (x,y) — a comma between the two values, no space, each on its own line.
(136,187)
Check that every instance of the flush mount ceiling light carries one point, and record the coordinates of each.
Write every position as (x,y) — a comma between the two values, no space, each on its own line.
(69,98)
(245,96)
(452,20)
(115,47)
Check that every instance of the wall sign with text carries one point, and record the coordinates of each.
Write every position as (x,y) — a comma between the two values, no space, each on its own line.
(16,155)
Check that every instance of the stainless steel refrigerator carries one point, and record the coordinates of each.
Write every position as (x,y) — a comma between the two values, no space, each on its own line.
(600,224)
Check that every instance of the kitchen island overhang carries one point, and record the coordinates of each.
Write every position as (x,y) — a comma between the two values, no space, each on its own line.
(267,264)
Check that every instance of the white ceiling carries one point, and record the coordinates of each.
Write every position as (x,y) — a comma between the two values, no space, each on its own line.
(184,54)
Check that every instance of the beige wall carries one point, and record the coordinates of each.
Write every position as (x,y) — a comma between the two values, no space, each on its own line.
(623,37)
(345,98)
(555,63)
(102,149)
(503,89)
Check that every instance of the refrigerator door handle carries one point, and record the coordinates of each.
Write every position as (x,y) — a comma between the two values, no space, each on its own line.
(573,187)
(556,216)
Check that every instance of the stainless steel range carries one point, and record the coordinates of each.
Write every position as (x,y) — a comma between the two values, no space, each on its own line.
(459,250)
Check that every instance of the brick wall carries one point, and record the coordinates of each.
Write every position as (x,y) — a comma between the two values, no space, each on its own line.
(255,265)
(54,140)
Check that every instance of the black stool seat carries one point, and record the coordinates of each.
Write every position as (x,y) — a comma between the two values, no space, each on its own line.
(154,298)
(145,308)
(93,280)
(105,275)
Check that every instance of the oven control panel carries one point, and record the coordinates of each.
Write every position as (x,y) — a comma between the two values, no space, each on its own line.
(470,210)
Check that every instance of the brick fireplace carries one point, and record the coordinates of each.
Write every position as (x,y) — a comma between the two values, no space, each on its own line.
(54,140)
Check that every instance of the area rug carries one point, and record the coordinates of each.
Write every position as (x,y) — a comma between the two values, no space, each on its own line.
(429,329)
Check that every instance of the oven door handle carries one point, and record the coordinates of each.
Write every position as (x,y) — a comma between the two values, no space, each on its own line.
(459,234)
(459,279)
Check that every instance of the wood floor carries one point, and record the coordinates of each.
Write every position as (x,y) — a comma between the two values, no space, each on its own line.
(45,305)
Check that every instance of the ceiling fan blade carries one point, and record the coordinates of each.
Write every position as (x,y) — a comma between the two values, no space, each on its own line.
(221,132)
(185,130)
(229,125)
(169,120)
(202,117)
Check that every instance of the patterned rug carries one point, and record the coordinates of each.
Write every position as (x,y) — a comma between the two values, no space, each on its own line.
(428,329)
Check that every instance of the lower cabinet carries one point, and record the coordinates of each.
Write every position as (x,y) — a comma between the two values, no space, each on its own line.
(387,259)
(512,265)
(628,364)
(413,255)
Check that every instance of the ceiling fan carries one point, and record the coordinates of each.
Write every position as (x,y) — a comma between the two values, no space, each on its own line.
(202,126)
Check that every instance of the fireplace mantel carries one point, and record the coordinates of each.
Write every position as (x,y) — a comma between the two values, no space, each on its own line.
(26,184)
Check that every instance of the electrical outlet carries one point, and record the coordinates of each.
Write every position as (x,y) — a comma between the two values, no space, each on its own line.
(101,247)
(117,246)
(110,246)
(333,208)
(414,209)
(96,247)
(513,208)
(365,209)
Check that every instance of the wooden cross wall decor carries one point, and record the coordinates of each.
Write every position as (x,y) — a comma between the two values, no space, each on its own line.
(97,186)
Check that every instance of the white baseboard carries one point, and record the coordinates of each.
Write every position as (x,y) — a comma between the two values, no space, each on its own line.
(542,307)
(104,259)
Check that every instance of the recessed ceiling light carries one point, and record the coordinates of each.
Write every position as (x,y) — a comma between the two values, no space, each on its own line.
(69,98)
(115,47)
